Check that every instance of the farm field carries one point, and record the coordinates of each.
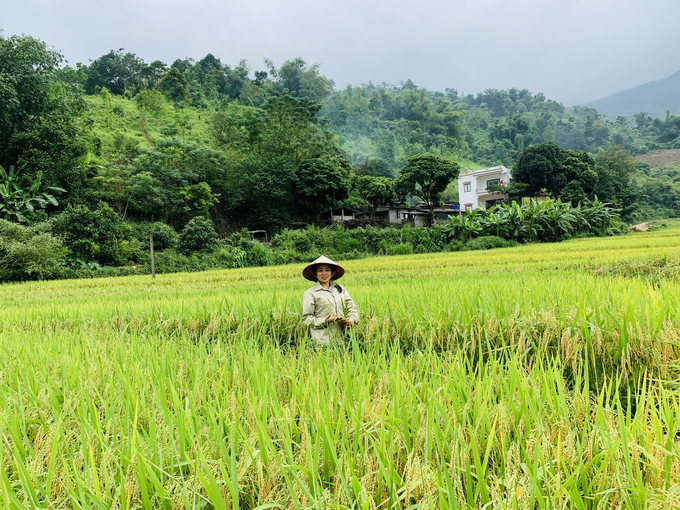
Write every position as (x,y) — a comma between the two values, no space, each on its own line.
(542,376)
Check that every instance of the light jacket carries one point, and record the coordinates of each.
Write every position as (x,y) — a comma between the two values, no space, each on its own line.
(318,303)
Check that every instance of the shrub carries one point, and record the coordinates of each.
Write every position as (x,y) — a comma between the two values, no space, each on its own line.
(259,255)
(454,246)
(488,242)
(40,256)
(93,235)
(399,249)
(198,235)
(164,236)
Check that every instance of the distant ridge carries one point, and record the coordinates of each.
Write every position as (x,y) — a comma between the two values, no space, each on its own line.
(654,98)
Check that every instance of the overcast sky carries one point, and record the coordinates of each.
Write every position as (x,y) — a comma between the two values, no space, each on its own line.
(574,51)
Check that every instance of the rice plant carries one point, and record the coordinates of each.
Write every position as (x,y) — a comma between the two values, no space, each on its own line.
(533,377)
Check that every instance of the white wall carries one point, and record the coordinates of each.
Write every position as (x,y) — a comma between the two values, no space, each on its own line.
(477,180)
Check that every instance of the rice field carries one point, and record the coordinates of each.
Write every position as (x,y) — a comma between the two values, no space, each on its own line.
(543,376)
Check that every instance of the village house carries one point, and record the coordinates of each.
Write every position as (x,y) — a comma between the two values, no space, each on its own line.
(416,215)
(341,214)
(473,184)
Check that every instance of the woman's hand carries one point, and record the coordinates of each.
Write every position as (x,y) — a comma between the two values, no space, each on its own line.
(349,321)
(331,318)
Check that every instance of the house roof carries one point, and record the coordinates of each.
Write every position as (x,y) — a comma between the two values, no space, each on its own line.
(482,171)
(347,210)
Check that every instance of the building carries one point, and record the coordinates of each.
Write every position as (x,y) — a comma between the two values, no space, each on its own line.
(415,215)
(341,214)
(402,215)
(473,184)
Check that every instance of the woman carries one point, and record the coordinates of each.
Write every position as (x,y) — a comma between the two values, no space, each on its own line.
(327,307)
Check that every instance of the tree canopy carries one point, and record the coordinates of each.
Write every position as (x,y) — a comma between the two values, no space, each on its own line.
(546,167)
(426,176)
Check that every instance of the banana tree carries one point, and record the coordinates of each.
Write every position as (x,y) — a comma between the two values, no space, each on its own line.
(20,195)
(558,218)
(494,221)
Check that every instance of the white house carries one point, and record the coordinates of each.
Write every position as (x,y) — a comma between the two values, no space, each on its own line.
(472,186)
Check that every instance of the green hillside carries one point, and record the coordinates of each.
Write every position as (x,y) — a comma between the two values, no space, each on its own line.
(94,157)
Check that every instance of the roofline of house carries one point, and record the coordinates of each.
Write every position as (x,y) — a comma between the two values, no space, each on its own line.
(483,171)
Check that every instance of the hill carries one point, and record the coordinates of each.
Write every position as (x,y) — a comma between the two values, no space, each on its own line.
(659,158)
(654,98)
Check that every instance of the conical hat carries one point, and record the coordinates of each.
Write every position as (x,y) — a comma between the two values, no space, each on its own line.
(310,271)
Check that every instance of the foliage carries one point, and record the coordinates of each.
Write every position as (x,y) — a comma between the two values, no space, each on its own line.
(320,185)
(164,236)
(175,87)
(426,176)
(375,191)
(550,220)
(198,235)
(20,195)
(98,235)
(30,252)
(116,71)
(488,243)
(549,168)
(41,124)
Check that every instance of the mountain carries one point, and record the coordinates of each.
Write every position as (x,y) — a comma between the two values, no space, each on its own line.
(654,98)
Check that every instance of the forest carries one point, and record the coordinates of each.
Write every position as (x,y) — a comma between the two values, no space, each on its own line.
(94,157)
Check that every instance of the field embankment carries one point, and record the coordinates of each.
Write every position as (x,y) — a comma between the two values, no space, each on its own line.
(533,377)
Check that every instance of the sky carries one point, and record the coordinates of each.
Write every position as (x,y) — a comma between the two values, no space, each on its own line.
(573,51)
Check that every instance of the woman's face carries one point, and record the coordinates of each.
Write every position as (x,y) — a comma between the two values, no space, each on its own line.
(324,273)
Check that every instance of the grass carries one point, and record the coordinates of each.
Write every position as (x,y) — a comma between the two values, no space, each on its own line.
(122,116)
(532,377)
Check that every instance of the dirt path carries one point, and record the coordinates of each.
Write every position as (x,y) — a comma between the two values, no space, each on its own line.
(640,227)
(142,124)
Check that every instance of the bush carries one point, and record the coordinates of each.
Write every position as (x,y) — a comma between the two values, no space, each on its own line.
(488,243)
(39,256)
(93,235)
(259,255)
(198,235)
(399,249)
(454,246)
(164,236)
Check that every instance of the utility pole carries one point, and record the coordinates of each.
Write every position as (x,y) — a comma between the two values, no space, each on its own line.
(153,264)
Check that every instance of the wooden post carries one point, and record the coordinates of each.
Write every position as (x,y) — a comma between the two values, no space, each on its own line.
(153,262)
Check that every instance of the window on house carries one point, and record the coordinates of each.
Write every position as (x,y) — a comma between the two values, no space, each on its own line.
(398,213)
(467,187)
(468,207)
(492,182)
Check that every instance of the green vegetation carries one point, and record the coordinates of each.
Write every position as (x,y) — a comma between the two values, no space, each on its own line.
(94,154)
(524,378)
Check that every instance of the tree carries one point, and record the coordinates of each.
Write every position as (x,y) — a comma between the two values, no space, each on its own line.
(550,168)
(20,195)
(150,101)
(375,191)
(300,80)
(198,235)
(117,71)
(291,126)
(426,176)
(321,185)
(615,169)
(92,235)
(175,87)
(40,117)
(374,168)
